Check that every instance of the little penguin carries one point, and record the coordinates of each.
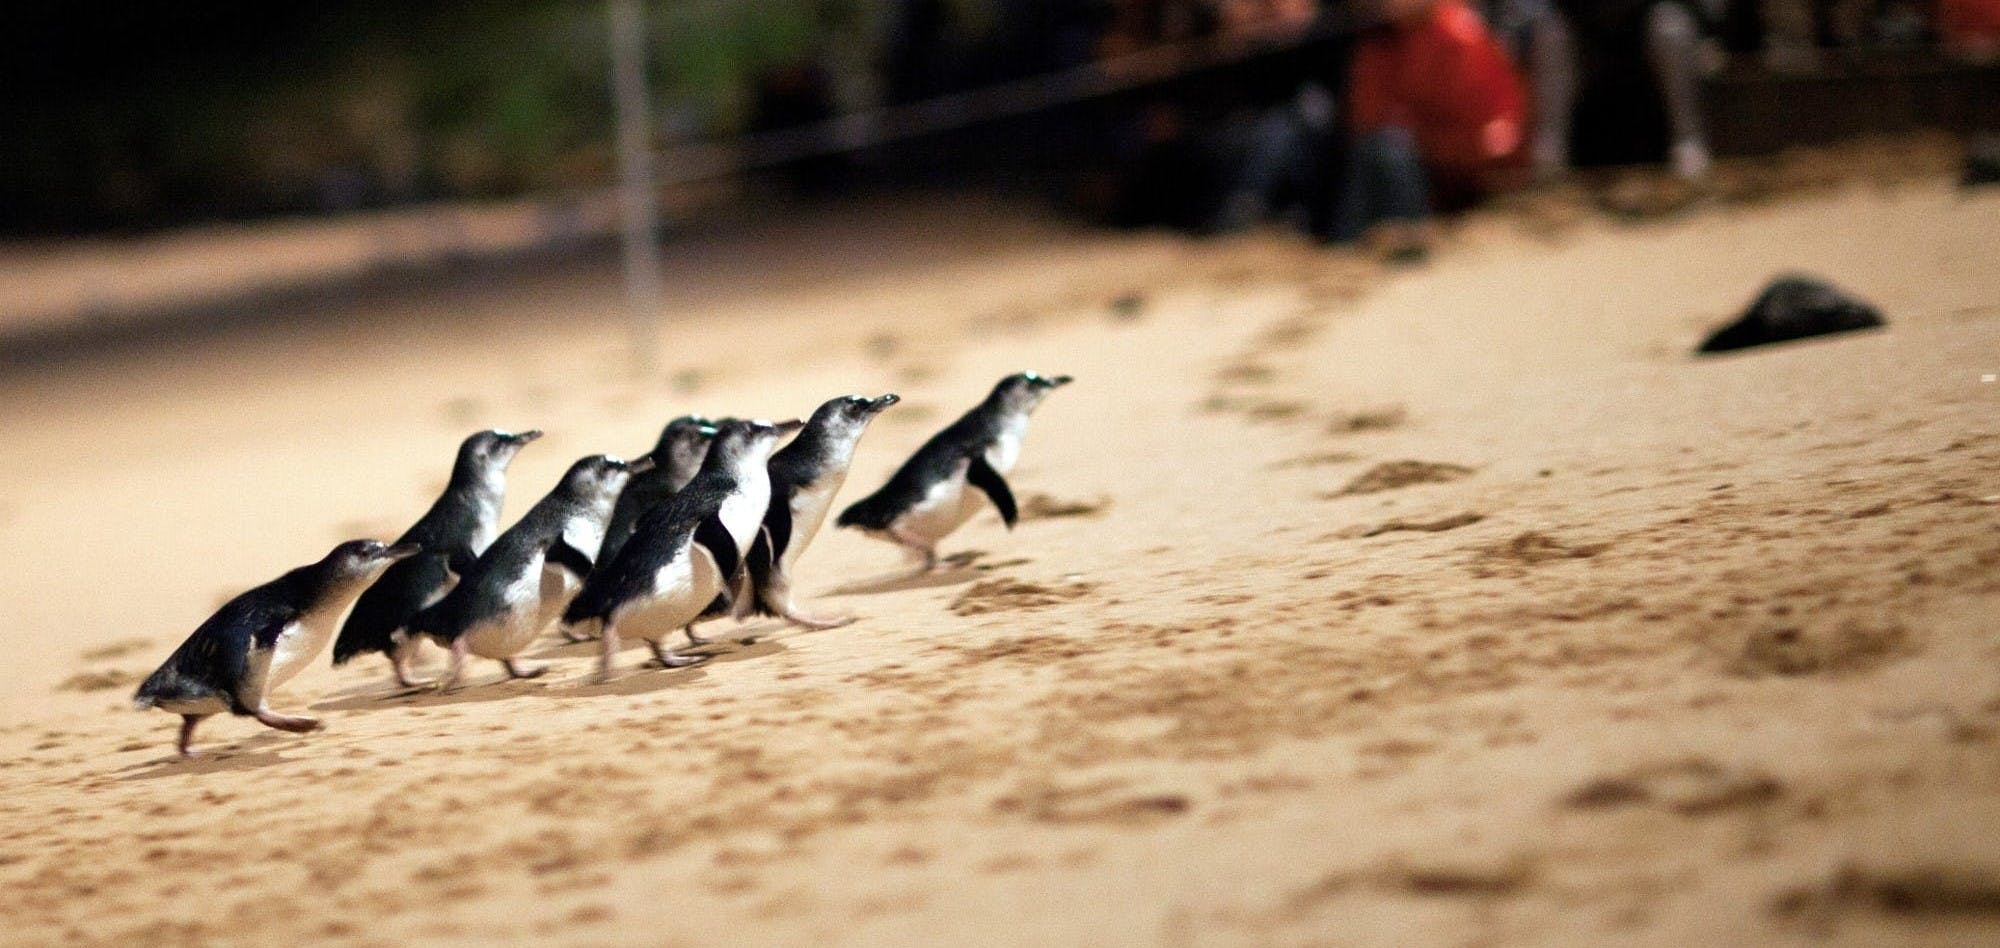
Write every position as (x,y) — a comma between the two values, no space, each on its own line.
(925,500)
(688,552)
(457,528)
(805,476)
(523,582)
(262,639)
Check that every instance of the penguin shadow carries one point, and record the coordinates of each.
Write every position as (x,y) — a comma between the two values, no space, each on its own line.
(246,754)
(471,689)
(957,571)
(650,677)
(719,643)
(646,679)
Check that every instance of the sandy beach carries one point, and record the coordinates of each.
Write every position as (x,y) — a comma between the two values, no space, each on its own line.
(1457,605)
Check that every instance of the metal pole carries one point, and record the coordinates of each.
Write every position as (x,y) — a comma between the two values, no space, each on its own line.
(639,207)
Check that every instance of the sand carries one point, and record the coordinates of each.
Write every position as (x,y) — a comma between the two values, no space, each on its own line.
(1456,605)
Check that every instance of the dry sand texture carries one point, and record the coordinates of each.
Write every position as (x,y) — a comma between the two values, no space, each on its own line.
(1456,607)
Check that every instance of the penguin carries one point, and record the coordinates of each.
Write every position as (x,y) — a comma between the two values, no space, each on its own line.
(459,526)
(925,500)
(525,579)
(688,552)
(805,476)
(262,638)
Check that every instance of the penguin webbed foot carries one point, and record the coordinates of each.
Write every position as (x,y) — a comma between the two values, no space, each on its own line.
(694,639)
(460,647)
(286,722)
(671,659)
(817,623)
(573,634)
(516,669)
(401,654)
(181,745)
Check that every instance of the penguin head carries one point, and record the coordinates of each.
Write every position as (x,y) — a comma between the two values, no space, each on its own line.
(682,445)
(1022,391)
(848,415)
(493,450)
(602,477)
(366,559)
(745,441)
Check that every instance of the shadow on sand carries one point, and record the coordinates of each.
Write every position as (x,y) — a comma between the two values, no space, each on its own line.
(246,754)
(905,581)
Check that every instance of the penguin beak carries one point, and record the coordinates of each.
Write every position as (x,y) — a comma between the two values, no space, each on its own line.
(787,427)
(527,436)
(640,465)
(1057,381)
(883,402)
(402,551)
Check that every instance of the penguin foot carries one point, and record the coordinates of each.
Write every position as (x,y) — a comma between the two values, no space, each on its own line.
(188,721)
(694,639)
(571,635)
(404,679)
(284,722)
(818,623)
(671,659)
(517,670)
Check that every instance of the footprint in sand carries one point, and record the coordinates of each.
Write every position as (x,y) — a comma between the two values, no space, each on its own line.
(1399,525)
(98,680)
(1380,418)
(1006,595)
(1790,651)
(1046,507)
(1695,786)
(1525,550)
(1394,475)
(1942,892)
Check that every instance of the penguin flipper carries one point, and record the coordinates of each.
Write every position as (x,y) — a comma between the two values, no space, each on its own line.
(777,526)
(570,558)
(982,475)
(715,537)
(459,560)
(388,605)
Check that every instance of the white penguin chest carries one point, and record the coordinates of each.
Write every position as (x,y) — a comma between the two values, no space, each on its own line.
(945,507)
(681,590)
(486,524)
(809,508)
(1006,447)
(743,512)
(531,601)
(303,639)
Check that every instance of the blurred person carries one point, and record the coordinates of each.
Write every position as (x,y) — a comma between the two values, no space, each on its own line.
(1554,39)
(1437,117)
(1285,163)
(1136,25)
(1837,23)
(1970,27)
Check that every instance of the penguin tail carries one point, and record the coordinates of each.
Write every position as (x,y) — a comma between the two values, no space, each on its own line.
(865,513)
(583,609)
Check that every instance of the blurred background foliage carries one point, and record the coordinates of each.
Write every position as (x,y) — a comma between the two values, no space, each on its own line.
(133,115)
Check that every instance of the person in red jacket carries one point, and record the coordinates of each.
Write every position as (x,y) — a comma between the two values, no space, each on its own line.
(1438,116)
(1971,27)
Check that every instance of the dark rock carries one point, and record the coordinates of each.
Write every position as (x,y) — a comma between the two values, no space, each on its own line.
(1794,307)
